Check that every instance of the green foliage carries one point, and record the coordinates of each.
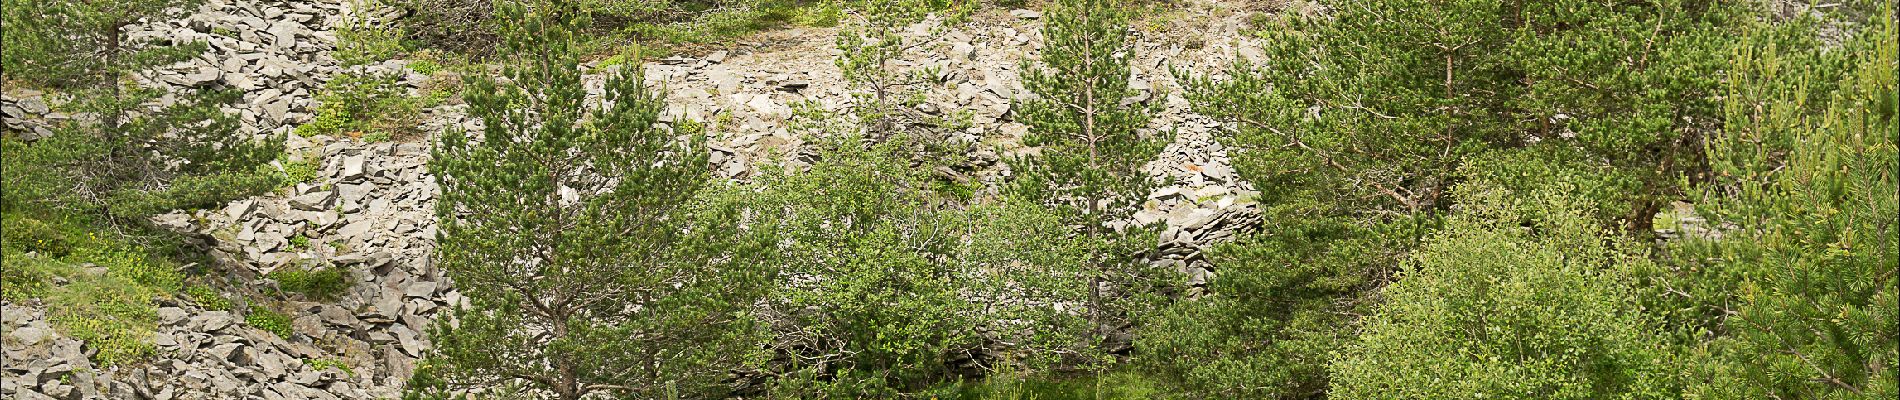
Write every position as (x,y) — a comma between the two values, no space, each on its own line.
(1521,296)
(300,171)
(425,66)
(106,308)
(328,363)
(98,286)
(1088,170)
(1360,120)
(358,105)
(321,284)
(360,41)
(268,320)
(605,278)
(69,43)
(889,270)
(1793,292)
(1112,385)
(208,298)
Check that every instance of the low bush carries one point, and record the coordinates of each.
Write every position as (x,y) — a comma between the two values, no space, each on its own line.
(356,105)
(208,298)
(268,320)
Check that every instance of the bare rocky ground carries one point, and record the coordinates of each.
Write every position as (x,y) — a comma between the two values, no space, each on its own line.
(371,204)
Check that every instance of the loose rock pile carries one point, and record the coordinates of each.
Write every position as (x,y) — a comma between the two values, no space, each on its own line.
(207,355)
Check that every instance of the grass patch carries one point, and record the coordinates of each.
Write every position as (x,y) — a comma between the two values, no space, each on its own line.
(96,288)
(1113,385)
(316,284)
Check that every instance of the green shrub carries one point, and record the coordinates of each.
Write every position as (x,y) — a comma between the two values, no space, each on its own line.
(300,171)
(208,298)
(268,321)
(32,235)
(358,104)
(27,277)
(424,66)
(317,284)
(1520,296)
(324,363)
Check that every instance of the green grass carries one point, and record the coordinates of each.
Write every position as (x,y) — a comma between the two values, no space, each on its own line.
(1107,386)
(324,284)
(96,287)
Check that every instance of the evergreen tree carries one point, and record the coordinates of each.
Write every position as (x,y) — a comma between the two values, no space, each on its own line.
(570,224)
(135,151)
(1791,284)
(1092,147)
(1356,124)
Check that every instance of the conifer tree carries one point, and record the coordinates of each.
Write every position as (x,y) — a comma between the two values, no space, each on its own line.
(569,222)
(132,152)
(1792,283)
(1092,146)
(1355,124)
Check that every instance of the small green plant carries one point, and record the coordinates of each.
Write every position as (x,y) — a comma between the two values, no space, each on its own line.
(222,31)
(359,41)
(376,137)
(425,66)
(295,172)
(300,242)
(325,363)
(312,283)
(823,15)
(355,105)
(207,297)
(268,321)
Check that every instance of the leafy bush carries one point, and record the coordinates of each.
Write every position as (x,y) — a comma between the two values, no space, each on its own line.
(300,171)
(1521,296)
(425,66)
(208,298)
(327,363)
(268,320)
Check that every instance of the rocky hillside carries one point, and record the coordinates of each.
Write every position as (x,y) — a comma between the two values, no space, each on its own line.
(370,203)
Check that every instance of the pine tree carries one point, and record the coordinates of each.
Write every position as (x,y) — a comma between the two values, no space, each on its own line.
(1792,283)
(1092,146)
(133,152)
(570,223)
